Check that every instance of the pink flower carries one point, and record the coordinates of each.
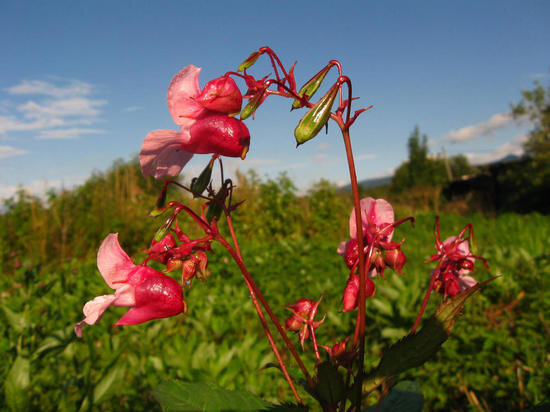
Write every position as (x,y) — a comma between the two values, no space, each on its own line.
(303,313)
(205,124)
(148,293)
(377,223)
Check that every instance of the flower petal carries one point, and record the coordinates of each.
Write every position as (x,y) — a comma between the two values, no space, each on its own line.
(93,310)
(161,153)
(466,282)
(182,91)
(113,262)
(373,211)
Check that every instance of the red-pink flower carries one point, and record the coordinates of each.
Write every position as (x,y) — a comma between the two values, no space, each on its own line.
(148,293)
(205,124)
(303,313)
(377,220)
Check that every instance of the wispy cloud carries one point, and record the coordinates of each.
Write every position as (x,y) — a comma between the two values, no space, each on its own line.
(40,87)
(56,104)
(365,157)
(496,122)
(514,147)
(8,151)
(74,133)
(131,109)
(322,147)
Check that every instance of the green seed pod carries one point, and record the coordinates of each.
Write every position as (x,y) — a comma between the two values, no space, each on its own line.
(199,184)
(252,105)
(316,118)
(311,86)
(249,61)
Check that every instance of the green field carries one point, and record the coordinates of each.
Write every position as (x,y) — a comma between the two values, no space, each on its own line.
(498,355)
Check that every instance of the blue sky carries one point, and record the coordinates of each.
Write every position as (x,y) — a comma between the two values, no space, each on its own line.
(82,83)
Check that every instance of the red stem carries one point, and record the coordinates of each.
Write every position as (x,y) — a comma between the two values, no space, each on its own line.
(426,296)
(266,306)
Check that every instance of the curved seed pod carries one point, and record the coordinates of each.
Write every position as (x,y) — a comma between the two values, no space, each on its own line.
(311,86)
(316,118)
(249,61)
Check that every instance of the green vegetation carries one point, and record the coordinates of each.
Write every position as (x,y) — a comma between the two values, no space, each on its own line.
(497,356)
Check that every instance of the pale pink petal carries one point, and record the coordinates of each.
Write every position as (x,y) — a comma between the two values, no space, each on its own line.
(161,153)
(125,295)
(376,212)
(382,212)
(182,91)
(113,262)
(93,310)
(466,282)
(342,248)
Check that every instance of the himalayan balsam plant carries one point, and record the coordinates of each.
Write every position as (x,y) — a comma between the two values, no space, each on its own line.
(210,121)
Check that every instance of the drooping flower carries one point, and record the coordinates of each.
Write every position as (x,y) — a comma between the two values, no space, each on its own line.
(205,124)
(148,293)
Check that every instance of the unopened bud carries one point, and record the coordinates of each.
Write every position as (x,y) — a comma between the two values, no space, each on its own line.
(309,89)
(199,184)
(316,118)
(188,269)
(221,95)
(395,259)
(249,61)
(173,264)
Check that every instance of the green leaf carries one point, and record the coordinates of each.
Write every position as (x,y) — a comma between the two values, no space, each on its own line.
(16,385)
(204,396)
(417,348)
(330,383)
(18,321)
(406,396)
(56,342)
(109,384)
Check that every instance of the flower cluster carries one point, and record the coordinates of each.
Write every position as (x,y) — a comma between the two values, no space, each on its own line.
(378,223)
(456,261)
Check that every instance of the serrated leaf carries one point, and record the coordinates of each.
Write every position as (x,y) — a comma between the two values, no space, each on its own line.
(17,384)
(406,396)
(417,348)
(204,396)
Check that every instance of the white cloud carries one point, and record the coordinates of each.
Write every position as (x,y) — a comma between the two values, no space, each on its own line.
(73,133)
(8,151)
(53,106)
(514,147)
(40,87)
(496,122)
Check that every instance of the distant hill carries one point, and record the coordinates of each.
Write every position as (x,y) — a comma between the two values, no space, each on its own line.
(370,183)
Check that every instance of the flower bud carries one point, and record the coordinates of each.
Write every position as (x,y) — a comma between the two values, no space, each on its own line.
(173,264)
(309,89)
(293,323)
(395,259)
(200,183)
(221,95)
(249,61)
(316,117)
(351,292)
(188,270)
